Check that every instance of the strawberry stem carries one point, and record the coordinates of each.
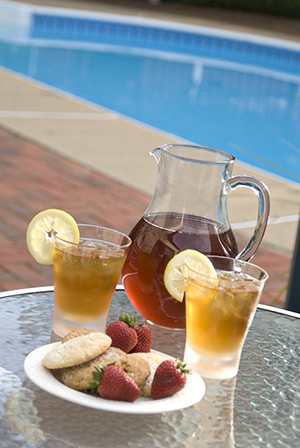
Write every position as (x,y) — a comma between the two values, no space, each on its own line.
(131,321)
(97,375)
(182,366)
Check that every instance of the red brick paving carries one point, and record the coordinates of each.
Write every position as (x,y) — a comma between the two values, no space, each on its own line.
(278,267)
(33,178)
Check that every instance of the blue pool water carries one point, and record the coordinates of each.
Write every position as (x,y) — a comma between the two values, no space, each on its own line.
(241,96)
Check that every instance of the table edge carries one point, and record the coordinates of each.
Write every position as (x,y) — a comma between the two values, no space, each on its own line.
(17,292)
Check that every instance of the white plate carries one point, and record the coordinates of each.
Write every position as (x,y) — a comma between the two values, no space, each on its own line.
(192,393)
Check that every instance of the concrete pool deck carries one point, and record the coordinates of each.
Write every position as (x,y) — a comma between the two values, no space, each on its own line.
(107,157)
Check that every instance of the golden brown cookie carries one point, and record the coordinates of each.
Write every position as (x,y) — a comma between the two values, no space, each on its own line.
(138,369)
(77,351)
(77,333)
(79,377)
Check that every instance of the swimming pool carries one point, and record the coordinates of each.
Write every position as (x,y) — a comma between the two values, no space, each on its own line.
(237,93)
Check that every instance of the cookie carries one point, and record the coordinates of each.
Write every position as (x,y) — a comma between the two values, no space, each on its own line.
(138,369)
(77,351)
(154,359)
(77,333)
(80,376)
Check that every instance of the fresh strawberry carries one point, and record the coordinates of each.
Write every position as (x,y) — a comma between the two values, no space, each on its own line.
(122,333)
(169,378)
(113,383)
(144,339)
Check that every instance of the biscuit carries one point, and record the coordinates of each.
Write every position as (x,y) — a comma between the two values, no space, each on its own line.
(77,333)
(77,351)
(154,360)
(138,369)
(80,376)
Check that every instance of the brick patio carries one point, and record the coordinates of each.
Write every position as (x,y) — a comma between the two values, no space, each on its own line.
(33,179)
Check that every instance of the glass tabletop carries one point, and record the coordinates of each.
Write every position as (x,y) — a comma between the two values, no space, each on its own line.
(260,407)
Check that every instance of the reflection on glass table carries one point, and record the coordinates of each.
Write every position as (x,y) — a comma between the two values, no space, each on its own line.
(259,407)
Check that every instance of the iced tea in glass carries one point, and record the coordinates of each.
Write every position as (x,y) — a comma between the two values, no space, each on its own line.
(85,277)
(219,312)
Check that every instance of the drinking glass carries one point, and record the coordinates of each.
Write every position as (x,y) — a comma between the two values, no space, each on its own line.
(219,312)
(85,277)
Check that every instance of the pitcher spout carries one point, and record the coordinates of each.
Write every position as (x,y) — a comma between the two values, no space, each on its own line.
(157,152)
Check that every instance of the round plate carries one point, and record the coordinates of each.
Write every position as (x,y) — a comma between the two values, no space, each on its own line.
(192,393)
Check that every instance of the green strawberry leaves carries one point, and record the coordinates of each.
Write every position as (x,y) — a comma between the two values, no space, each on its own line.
(97,375)
(182,366)
(131,321)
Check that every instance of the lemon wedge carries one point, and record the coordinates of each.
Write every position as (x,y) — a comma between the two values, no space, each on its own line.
(39,233)
(176,272)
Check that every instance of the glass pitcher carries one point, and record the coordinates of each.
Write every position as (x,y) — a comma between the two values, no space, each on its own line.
(188,211)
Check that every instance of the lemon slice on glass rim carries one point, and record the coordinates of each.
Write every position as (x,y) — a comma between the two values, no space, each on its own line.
(175,276)
(39,233)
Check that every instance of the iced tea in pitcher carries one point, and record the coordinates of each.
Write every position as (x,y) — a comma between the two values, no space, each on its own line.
(156,239)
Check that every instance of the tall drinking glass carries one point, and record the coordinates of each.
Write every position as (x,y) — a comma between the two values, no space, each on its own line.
(85,277)
(219,312)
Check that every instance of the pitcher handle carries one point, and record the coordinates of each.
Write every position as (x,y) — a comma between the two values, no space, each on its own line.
(261,190)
